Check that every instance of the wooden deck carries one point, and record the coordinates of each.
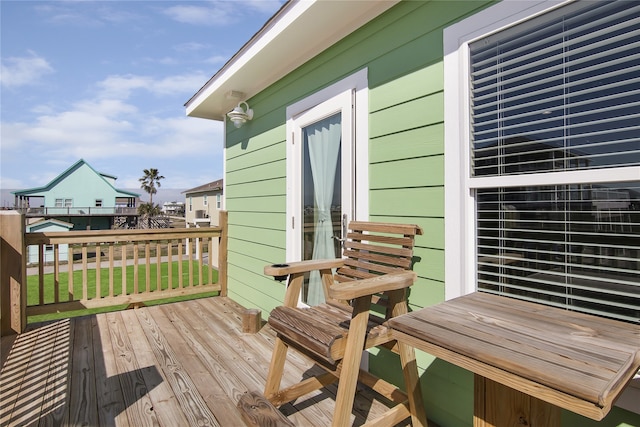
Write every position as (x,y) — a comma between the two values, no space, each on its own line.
(181,364)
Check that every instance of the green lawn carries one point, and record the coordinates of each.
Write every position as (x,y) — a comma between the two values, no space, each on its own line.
(33,294)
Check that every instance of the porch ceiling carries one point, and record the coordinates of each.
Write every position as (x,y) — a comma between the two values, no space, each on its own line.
(296,33)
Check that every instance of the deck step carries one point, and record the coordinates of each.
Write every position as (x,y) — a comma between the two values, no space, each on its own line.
(256,410)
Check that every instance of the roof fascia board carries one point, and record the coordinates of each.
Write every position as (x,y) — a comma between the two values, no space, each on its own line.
(54,181)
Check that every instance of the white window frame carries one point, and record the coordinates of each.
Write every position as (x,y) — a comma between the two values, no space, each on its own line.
(64,202)
(218,201)
(460,212)
(205,200)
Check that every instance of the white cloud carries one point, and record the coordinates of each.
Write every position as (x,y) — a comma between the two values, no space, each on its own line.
(211,14)
(10,183)
(25,70)
(181,136)
(264,6)
(88,14)
(89,128)
(110,129)
(220,13)
(190,47)
(217,59)
(121,87)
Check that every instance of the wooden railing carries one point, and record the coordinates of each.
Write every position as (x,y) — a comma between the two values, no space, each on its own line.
(97,268)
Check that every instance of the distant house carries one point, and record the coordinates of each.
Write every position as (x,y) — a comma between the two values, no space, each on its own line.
(81,196)
(173,208)
(202,204)
(41,225)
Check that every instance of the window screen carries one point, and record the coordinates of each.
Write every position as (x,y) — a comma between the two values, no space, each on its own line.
(560,93)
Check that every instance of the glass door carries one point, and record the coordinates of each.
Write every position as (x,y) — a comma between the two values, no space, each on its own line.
(323,186)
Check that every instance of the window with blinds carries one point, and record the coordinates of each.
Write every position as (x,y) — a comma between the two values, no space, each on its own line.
(560,93)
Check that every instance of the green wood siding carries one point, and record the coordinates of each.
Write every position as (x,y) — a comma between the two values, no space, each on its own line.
(403,52)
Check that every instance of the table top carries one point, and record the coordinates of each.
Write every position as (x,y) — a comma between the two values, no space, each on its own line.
(573,360)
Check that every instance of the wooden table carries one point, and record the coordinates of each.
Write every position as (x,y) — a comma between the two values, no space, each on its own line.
(530,360)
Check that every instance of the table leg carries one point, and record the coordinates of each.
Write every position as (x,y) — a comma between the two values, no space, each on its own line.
(496,405)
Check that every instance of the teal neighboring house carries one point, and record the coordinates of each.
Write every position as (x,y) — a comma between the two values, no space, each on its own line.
(81,196)
(507,130)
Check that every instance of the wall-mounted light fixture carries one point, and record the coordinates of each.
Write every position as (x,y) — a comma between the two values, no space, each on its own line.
(240,116)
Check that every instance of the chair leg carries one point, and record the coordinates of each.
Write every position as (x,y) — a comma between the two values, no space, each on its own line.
(276,368)
(398,306)
(351,362)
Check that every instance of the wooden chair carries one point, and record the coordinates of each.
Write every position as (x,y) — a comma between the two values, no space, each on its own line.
(375,272)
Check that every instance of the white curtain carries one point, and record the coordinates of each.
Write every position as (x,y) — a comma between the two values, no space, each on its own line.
(323,141)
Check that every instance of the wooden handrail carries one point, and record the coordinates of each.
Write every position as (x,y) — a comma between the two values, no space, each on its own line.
(106,236)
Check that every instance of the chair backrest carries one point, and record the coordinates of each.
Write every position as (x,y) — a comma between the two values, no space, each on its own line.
(375,248)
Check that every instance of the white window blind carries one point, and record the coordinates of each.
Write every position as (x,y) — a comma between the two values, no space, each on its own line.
(560,93)
(574,246)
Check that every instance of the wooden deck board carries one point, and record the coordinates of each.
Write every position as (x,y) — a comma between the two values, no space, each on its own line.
(111,404)
(158,388)
(181,364)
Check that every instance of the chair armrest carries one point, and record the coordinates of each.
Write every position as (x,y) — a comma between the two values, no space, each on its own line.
(279,270)
(360,288)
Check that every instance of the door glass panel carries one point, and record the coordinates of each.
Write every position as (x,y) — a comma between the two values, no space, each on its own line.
(322,206)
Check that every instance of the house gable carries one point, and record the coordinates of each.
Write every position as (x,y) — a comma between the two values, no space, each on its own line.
(82,184)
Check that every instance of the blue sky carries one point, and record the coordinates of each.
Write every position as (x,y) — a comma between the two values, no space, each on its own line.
(106,81)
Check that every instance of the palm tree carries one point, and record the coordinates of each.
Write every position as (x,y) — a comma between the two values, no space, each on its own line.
(150,181)
(149,210)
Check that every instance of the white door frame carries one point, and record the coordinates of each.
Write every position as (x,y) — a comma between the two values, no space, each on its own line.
(355,87)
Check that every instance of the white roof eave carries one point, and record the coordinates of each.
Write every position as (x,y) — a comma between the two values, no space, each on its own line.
(297,33)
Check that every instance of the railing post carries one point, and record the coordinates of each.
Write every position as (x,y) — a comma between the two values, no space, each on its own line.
(222,252)
(13,274)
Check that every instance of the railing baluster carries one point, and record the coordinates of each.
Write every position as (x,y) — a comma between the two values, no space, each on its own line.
(135,268)
(147,272)
(180,249)
(200,261)
(98,265)
(85,282)
(123,267)
(56,273)
(169,265)
(70,273)
(158,267)
(41,261)
(111,270)
(210,263)
(190,252)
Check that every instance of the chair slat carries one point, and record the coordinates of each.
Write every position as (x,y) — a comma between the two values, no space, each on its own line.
(371,260)
(378,238)
(401,251)
(381,227)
